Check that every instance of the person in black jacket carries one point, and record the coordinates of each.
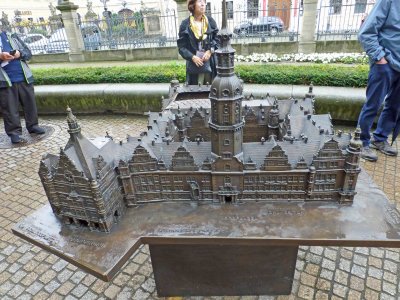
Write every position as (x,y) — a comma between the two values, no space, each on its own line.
(16,86)
(197,43)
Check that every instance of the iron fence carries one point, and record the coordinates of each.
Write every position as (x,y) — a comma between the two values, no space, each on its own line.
(150,29)
(37,35)
(338,21)
(276,24)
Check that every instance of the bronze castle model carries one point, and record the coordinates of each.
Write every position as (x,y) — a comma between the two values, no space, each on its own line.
(209,145)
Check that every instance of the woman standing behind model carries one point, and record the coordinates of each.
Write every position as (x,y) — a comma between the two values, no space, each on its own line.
(197,43)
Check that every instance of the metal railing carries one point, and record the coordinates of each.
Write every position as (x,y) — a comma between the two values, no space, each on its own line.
(337,21)
(127,32)
(276,24)
(150,29)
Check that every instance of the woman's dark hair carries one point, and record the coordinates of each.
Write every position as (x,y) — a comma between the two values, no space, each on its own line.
(191,5)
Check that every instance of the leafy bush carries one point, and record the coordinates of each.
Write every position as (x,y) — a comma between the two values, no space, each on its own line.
(282,73)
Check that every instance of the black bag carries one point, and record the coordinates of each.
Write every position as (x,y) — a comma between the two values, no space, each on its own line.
(191,67)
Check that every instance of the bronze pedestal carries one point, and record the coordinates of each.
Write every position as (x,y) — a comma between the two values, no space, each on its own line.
(242,249)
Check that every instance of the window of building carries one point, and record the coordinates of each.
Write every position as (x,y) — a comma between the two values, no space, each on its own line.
(227,167)
(252,9)
(360,6)
(335,7)
(227,180)
(227,142)
(229,9)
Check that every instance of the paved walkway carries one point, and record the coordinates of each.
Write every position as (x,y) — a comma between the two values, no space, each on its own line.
(27,272)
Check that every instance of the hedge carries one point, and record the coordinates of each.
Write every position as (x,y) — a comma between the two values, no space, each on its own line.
(304,74)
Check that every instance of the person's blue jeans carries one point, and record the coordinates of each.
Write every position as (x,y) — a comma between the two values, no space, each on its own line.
(383,84)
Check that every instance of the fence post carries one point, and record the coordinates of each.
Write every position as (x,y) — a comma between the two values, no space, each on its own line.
(307,43)
(182,9)
(74,35)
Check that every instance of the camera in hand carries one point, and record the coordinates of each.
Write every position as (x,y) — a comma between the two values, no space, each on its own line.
(12,52)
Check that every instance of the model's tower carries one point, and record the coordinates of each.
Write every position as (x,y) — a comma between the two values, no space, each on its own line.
(226,96)
(352,168)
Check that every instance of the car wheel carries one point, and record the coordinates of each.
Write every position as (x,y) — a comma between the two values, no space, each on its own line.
(243,32)
(273,31)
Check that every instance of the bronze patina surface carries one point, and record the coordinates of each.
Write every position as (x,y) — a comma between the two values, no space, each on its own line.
(370,221)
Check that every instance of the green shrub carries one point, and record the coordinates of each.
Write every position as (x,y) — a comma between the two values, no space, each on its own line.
(318,74)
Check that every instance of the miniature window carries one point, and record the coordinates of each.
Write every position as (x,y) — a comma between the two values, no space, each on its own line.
(68,176)
(227,155)
(227,167)
(227,180)
(227,142)
(226,118)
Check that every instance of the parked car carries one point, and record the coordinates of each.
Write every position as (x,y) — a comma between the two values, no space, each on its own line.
(36,42)
(264,25)
(58,42)
(91,36)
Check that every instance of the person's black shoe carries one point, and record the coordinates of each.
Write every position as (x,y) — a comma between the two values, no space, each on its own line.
(384,147)
(37,130)
(16,139)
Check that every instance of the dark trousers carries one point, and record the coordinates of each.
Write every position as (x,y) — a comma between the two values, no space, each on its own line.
(10,98)
(383,85)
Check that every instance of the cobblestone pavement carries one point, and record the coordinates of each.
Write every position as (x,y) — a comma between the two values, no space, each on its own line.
(27,272)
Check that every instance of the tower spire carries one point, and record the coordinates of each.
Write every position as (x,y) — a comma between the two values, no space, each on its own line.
(224,16)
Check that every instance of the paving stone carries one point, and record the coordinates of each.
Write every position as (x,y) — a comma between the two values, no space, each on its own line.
(389,288)
(65,288)
(59,265)
(34,288)
(323,284)
(125,294)
(354,295)
(317,250)
(374,284)
(140,294)
(112,291)
(52,286)
(312,269)
(393,255)
(360,260)
(340,290)
(374,272)
(48,276)
(305,292)
(90,296)
(357,283)
(18,276)
(375,262)
(64,275)
(121,279)
(371,295)
(390,266)
(326,274)
(359,271)
(328,264)
(16,291)
(384,296)
(149,285)
(79,291)
(78,276)
(5,287)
